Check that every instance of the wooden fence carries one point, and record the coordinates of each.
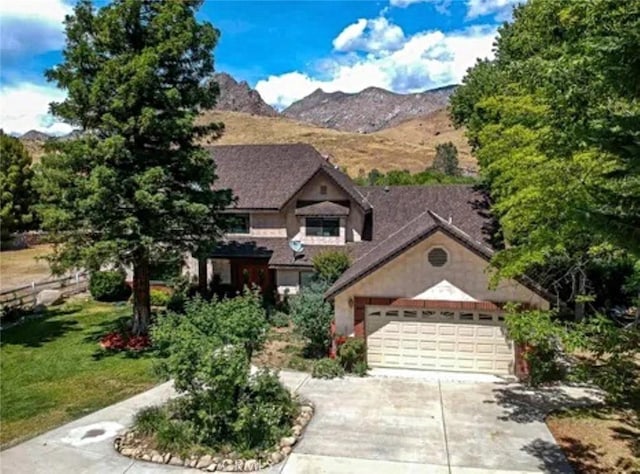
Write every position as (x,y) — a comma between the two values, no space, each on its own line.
(26,296)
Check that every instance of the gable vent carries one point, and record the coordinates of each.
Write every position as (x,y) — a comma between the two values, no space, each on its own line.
(437,257)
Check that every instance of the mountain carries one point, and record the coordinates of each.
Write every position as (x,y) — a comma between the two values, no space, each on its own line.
(239,97)
(366,111)
(35,135)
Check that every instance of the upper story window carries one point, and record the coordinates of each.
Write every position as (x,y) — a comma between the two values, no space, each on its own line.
(240,224)
(323,226)
(323,189)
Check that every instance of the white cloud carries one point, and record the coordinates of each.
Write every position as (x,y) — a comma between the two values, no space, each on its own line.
(405,3)
(422,61)
(373,35)
(501,8)
(24,107)
(31,25)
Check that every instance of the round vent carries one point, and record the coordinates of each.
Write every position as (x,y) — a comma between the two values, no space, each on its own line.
(437,257)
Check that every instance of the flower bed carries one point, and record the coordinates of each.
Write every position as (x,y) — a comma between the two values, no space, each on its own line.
(137,446)
(118,341)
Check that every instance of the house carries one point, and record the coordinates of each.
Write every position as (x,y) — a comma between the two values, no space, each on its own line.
(418,288)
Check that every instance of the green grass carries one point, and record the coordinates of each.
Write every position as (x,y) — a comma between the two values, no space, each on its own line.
(52,369)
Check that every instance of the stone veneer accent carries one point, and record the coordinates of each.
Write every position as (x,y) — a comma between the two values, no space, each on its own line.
(131,446)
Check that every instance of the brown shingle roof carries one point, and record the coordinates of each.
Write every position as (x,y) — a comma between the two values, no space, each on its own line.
(324,208)
(276,249)
(268,176)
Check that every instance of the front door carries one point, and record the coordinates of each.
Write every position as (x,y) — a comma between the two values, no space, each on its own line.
(250,272)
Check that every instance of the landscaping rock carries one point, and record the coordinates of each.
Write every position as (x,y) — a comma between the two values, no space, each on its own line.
(49,297)
(166,457)
(176,461)
(251,465)
(127,451)
(286,450)
(276,457)
(239,466)
(191,463)
(306,410)
(212,467)
(287,441)
(146,457)
(204,461)
(156,457)
(297,429)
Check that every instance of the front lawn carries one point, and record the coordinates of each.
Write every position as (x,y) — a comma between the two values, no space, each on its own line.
(52,369)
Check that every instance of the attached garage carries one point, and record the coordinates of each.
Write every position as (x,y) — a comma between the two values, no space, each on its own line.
(437,339)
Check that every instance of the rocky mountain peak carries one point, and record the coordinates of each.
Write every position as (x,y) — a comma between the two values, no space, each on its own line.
(239,97)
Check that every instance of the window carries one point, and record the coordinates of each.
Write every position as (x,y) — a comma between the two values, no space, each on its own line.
(437,257)
(323,190)
(466,316)
(305,278)
(323,226)
(239,224)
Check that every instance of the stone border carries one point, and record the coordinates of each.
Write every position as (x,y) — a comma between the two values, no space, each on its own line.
(128,445)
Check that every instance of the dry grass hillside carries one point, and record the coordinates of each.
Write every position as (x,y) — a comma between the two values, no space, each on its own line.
(410,145)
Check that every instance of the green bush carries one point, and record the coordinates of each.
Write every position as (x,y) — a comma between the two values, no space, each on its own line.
(109,286)
(327,369)
(279,319)
(352,353)
(207,351)
(159,298)
(312,316)
(541,334)
(148,420)
(329,265)
(360,368)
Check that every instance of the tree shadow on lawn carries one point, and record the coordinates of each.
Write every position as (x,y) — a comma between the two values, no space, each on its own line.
(524,404)
(41,329)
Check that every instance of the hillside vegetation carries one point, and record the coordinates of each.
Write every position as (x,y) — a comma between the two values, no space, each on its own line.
(410,145)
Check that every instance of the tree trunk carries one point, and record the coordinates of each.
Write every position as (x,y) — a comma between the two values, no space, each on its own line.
(141,297)
(580,305)
(202,276)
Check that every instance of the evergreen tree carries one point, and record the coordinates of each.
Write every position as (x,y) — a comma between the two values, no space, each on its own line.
(446,160)
(16,192)
(136,183)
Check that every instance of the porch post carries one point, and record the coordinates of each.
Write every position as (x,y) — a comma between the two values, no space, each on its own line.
(202,276)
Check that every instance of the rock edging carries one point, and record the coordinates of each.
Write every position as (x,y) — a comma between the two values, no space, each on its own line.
(130,445)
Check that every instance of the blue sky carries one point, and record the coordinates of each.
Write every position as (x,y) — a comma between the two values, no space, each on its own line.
(285,49)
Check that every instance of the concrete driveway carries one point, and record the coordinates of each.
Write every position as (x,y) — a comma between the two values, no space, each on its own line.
(362,425)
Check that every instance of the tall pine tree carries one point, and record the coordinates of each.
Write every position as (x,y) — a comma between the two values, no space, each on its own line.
(136,184)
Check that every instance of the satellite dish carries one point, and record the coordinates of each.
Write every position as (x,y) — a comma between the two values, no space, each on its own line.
(296,246)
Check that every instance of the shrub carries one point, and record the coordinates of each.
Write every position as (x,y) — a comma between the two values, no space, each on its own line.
(541,334)
(351,353)
(109,286)
(159,297)
(327,369)
(148,420)
(360,368)
(279,319)
(207,352)
(312,316)
(329,265)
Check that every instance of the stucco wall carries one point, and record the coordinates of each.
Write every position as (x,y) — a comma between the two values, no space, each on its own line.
(410,274)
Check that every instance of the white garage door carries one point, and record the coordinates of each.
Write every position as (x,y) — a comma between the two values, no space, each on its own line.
(437,340)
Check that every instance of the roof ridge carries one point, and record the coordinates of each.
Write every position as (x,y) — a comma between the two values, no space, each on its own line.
(448,223)
(391,235)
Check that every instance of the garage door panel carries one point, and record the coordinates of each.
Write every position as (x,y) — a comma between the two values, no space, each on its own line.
(437,340)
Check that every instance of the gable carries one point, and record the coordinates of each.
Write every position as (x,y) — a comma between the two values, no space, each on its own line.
(409,275)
